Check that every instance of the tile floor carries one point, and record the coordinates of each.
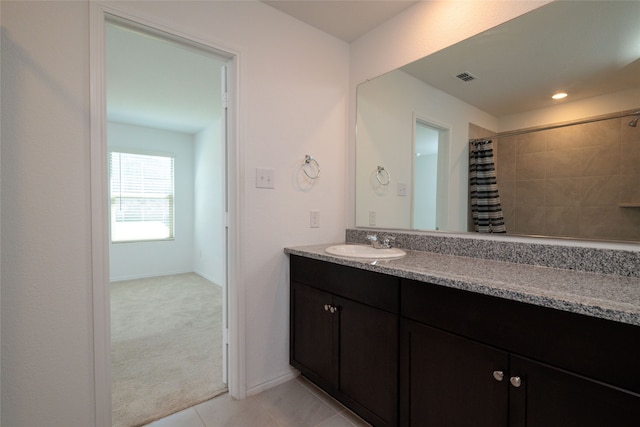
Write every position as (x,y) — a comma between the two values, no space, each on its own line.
(296,403)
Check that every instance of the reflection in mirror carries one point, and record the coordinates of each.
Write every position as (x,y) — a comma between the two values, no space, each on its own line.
(430,159)
(502,81)
(388,108)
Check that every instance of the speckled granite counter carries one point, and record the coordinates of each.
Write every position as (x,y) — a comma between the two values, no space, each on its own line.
(606,296)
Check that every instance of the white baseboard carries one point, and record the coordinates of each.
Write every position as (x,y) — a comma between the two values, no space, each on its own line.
(208,277)
(144,276)
(259,388)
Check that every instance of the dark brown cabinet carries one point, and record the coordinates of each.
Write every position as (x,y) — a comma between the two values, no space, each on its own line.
(312,332)
(449,381)
(457,382)
(552,397)
(409,353)
(344,335)
(448,376)
(368,359)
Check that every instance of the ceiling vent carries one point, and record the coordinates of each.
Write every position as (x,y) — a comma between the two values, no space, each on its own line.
(466,77)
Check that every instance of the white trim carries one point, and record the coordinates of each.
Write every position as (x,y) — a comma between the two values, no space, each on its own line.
(235,221)
(99,193)
(99,223)
(225,284)
(281,379)
(0,235)
(149,276)
(206,277)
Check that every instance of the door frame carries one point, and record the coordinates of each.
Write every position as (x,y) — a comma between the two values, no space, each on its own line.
(100,222)
(444,139)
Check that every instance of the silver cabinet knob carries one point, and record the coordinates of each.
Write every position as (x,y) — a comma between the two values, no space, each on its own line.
(498,375)
(516,381)
(330,308)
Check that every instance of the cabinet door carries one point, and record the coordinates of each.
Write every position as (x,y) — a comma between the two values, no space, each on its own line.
(447,380)
(312,335)
(550,397)
(369,361)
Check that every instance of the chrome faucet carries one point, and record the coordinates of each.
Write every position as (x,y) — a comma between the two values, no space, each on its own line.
(378,244)
(374,241)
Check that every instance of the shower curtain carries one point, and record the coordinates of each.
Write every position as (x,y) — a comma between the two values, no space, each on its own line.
(483,188)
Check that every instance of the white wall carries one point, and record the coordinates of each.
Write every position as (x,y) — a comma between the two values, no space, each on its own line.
(422,29)
(132,260)
(294,92)
(47,335)
(293,82)
(209,244)
(199,243)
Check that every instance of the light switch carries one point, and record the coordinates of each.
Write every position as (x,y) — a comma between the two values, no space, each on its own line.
(264,178)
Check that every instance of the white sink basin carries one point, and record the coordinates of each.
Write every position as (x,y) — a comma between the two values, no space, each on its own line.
(362,251)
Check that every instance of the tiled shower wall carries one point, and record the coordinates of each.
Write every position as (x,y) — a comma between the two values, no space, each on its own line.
(574,181)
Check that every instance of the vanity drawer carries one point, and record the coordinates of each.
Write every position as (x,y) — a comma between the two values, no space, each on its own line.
(371,288)
(601,349)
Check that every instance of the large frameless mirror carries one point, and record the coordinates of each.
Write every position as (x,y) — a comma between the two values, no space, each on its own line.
(568,168)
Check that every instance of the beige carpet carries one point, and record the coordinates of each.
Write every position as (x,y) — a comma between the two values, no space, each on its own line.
(166,346)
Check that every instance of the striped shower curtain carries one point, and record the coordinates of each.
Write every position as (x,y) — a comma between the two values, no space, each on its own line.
(485,201)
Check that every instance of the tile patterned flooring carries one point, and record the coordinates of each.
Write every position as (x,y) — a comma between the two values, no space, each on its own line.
(296,403)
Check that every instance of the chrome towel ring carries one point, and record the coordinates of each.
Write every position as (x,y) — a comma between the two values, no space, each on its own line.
(380,176)
(310,167)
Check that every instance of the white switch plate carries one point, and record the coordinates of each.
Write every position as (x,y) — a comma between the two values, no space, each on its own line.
(402,189)
(314,219)
(372,217)
(264,178)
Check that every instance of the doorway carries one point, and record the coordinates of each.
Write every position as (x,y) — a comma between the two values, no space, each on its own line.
(430,166)
(167,234)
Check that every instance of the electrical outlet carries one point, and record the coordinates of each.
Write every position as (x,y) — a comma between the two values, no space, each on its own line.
(314,218)
(402,189)
(264,178)
(372,217)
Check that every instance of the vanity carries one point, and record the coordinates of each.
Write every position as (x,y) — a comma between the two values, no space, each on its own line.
(436,339)
(344,335)
(470,330)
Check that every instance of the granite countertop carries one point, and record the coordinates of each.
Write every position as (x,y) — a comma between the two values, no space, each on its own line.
(606,296)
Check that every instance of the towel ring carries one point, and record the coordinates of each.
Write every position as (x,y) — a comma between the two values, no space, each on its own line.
(381,178)
(311,167)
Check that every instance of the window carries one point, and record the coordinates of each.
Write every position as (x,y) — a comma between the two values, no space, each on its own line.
(142,197)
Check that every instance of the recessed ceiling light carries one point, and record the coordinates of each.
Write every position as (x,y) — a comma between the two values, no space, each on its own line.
(559,95)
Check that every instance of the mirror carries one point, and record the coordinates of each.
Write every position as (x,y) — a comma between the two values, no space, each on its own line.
(500,83)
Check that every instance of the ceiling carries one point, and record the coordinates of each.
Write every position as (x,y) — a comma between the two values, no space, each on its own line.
(346,20)
(154,82)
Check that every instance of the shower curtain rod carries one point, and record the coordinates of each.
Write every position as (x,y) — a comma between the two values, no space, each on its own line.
(561,125)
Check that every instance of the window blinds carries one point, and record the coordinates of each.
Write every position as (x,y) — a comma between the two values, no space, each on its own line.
(142,197)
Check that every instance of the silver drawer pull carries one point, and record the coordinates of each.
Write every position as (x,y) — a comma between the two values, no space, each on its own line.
(498,375)
(516,381)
